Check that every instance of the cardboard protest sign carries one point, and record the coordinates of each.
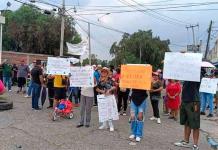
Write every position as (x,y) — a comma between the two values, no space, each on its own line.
(208,85)
(136,76)
(182,66)
(82,76)
(58,66)
(107,108)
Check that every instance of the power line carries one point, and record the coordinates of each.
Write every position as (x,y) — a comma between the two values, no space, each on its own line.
(132,11)
(161,14)
(151,14)
(172,6)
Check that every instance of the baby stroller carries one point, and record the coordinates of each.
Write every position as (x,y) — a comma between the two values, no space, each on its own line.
(63,109)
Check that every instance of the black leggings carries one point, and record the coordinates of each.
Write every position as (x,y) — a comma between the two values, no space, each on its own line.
(155,106)
(122,97)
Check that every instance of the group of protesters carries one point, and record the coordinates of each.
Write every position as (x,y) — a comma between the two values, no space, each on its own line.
(176,97)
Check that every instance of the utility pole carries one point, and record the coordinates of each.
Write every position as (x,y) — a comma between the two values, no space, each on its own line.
(208,39)
(140,53)
(2,21)
(193,31)
(62,28)
(90,55)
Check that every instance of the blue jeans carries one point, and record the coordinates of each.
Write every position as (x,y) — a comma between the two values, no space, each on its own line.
(30,88)
(136,124)
(7,82)
(206,98)
(36,89)
(74,93)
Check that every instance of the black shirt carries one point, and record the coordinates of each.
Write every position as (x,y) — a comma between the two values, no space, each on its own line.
(35,73)
(190,91)
(155,86)
(139,96)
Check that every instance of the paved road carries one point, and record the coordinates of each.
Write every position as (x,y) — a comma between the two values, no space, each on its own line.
(24,129)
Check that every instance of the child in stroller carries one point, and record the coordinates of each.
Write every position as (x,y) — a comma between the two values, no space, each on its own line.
(63,109)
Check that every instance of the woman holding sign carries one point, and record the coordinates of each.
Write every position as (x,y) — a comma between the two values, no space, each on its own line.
(137,110)
(155,96)
(106,87)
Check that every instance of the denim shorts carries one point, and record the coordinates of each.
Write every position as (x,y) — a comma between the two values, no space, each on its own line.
(137,109)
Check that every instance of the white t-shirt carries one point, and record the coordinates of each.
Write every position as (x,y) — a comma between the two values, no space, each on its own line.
(88,91)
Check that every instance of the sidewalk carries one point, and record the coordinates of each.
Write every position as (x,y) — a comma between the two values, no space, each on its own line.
(209,126)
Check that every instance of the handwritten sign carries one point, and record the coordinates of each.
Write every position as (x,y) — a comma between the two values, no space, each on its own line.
(208,85)
(107,108)
(58,66)
(182,66)
(82,76)
(136,76)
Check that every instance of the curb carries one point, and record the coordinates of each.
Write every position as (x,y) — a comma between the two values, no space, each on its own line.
(211,141)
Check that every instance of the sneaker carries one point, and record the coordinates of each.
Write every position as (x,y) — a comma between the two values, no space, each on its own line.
(158,121)
(111,129)
(102,127)
(195,147)
(124,113)
(153,118)
(27,96)
(138,139)
(132,136)
(210,115)
(9,90)
(182,143)
(80,125)
(203,113)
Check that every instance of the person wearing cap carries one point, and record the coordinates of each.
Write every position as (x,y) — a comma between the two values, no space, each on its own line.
(155,96)
(22,75)
(106,86)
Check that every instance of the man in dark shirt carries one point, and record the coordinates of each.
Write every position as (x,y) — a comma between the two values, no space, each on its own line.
(37,82)
(190,113)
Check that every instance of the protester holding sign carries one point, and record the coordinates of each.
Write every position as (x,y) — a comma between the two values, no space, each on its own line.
(106,87)
(137,111)
(173,91)
(155,96)
(207,97)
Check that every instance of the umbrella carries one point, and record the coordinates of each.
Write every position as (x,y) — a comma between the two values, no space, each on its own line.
(207,64)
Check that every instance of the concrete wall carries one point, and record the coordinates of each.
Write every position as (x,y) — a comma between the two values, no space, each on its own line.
(16,57)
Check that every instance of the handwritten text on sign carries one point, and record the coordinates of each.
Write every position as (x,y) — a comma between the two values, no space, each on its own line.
(82,76)
(208,85)
(182,66)
(58,66)
(136,76)
(107,108)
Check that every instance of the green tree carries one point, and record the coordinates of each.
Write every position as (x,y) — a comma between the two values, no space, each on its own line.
(128,49)
(29,30)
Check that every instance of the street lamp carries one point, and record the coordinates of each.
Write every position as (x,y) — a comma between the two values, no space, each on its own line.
(103,16)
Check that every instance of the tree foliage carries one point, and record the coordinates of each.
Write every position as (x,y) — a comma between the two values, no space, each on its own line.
(128,49)
(29,30)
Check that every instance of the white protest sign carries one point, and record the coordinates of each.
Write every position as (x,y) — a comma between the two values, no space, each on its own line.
(107,108)
(58,66)
(82,76)
(208,85)
(182,66)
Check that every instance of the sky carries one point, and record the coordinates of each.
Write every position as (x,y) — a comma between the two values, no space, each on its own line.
(130,22)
